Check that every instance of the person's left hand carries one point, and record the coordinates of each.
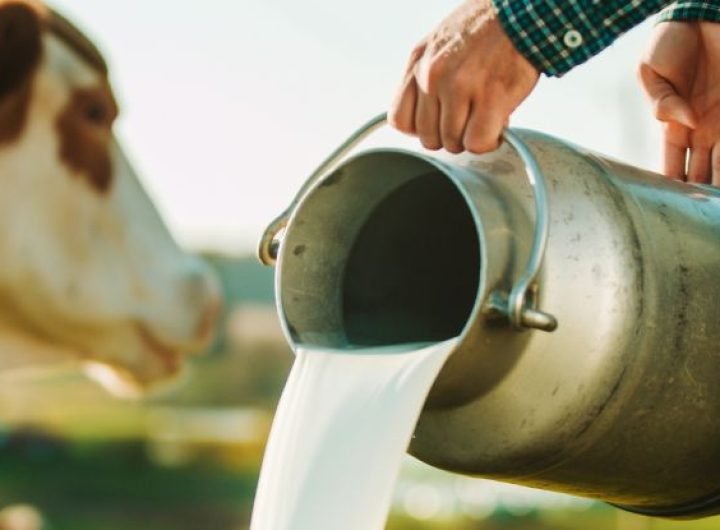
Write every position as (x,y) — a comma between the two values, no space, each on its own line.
(681,76)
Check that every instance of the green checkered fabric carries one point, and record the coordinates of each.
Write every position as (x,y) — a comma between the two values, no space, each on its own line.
(557,35)
(709,11)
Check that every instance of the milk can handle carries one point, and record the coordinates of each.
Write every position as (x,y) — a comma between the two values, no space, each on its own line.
(270,240)
(518,310)
(515,308)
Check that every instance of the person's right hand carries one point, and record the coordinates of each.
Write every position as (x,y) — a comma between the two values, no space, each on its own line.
(681,76)
(462,82)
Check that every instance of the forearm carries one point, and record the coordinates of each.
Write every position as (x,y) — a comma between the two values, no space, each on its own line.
(557,35)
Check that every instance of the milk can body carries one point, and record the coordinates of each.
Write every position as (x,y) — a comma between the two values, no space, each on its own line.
(620,403)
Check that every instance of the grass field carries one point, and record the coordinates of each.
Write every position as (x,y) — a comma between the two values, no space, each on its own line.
(119,486)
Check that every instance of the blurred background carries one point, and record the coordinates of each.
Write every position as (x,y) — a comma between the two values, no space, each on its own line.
(227,106)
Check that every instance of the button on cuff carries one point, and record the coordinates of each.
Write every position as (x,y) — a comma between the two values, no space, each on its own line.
(572,38)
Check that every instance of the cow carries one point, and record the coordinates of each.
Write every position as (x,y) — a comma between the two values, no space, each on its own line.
(89,274)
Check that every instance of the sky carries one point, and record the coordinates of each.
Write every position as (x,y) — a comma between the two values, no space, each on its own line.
(228,105)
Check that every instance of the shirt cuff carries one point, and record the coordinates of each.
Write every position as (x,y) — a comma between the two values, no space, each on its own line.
(557,35)
(690,11)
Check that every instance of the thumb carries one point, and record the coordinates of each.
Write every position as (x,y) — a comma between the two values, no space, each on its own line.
(668,105)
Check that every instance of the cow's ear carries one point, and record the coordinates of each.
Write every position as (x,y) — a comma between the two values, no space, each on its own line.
(20,44)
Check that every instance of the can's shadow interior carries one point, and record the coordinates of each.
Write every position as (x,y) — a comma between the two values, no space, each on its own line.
(413,271)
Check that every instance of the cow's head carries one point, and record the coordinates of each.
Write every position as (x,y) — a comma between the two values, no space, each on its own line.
(86,264)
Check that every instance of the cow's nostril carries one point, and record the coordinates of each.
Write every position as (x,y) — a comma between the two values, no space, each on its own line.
(196,301)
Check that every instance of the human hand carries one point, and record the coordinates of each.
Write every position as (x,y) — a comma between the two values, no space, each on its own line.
(681,76)
(462,83)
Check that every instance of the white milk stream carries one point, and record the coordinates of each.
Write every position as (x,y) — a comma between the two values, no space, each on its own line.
(341,429)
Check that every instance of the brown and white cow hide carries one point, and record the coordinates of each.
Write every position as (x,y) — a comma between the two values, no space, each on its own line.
(88,272)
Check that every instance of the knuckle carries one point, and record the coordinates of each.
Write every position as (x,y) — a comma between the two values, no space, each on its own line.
(393,119)
(417,52)
(402,126)
(658,113)
(495,92)
(463,82)
(661,109)
(434,75)
(396,120)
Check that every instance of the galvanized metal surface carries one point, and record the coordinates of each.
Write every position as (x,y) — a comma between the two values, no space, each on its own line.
(620,403)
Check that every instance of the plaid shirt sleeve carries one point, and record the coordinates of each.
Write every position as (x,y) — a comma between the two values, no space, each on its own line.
(687,11)
(557,35)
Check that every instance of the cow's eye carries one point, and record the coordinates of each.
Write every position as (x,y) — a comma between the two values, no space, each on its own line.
(97,113)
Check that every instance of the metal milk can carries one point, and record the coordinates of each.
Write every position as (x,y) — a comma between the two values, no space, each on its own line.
(586,294)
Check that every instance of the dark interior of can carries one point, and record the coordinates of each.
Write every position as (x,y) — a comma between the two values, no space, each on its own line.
(413,271)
